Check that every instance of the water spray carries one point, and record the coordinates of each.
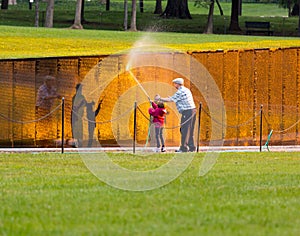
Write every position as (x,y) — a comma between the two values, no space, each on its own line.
(144,91)
(139,84)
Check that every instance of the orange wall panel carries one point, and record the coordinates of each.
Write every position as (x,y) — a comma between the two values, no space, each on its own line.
(230,92)
(289,93)
(246,79)
(246,101)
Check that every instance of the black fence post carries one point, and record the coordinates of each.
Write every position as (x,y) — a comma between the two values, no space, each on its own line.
(134,126)
(199,122)
(260,128)
(62,124)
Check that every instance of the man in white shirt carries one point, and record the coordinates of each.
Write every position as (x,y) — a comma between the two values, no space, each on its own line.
(185,105)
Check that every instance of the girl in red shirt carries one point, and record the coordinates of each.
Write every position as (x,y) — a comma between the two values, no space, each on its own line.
(158,112)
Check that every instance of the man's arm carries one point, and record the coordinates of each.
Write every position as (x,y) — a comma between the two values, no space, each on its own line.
(158,98)
(166,99)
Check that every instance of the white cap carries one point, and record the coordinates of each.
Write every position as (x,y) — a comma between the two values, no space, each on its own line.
(178,81)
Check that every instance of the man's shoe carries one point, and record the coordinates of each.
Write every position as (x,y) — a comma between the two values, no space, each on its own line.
(163,149)
(180,150)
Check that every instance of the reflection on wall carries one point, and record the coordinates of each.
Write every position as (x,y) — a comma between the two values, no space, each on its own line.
(246,79)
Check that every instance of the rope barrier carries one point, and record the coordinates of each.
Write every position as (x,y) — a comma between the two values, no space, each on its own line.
(284,130)
(232,126)
(31,121)
(144,115)
(260,113)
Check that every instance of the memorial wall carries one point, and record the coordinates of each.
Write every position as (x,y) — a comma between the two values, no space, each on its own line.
(257,85)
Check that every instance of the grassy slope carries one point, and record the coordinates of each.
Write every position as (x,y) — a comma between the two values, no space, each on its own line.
(54,194)
(27,42)
(103,33)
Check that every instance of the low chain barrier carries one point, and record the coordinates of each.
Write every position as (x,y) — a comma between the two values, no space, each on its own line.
(136,108)
(61,105)
(232,126)
(283,130)
(31,121)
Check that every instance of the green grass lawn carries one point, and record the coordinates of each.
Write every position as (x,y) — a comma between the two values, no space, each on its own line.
(103,33)
(98,18)
(30,42)
(243,194)
(55,194)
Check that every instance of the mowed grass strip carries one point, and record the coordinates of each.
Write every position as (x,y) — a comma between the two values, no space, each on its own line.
(30,42)
(243,194)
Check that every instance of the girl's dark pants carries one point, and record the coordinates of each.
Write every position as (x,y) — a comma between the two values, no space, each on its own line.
(159,136)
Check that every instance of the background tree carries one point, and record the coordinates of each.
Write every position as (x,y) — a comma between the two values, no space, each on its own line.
(4,4)
(49,14)
(77,21)
(295,10)
(158,7)
(125,14)
(141,6)
(82,11)
(133,16)
(289,6)
(292,6)
(210,25)
(298,31)
(107,5)
(211,3)
(177,9)
(12,2)
(292,11)
(220,8)
(234,19)
(37,13)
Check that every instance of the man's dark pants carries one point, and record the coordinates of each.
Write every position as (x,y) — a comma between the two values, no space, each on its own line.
(188,119)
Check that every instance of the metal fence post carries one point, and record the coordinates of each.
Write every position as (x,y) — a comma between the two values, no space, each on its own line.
(199,122)
(134,126)
(260,128)
(62,124)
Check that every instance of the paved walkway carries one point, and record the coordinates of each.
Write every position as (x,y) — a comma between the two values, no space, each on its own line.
(289,148)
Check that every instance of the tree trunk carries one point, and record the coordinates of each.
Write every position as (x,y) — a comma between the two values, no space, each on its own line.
(177,9)
(234,20)
(82,11)
(210,25)
(37,13)
(141,6)
(240,7)
(12,2)
(133,17)
(125,14)
(220,8)
(49,14)
(107,5)
(299,19)
(77,21)
(4,4)
(158,7)
(289,7)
